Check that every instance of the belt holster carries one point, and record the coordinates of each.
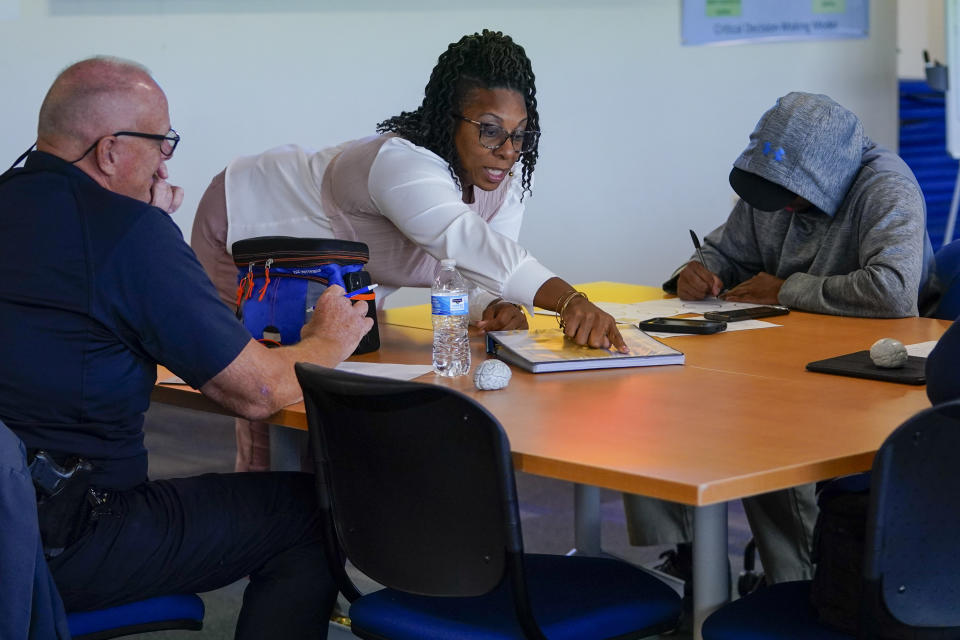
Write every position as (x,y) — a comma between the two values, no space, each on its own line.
(63,499)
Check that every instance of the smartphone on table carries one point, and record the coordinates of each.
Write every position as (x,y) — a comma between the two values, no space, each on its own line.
(750,313)
(682,325)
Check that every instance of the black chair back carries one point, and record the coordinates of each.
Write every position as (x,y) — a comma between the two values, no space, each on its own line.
(948,273)
(417,480)
(912,566)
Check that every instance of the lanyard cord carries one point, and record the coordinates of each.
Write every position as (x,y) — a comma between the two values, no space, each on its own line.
(22,156)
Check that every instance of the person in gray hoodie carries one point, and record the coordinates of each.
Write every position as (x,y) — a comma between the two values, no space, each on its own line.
(827,222)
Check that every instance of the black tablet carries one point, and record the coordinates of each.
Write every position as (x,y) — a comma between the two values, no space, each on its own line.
(859,365)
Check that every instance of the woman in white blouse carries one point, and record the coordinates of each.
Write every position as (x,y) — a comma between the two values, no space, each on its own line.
(446,180)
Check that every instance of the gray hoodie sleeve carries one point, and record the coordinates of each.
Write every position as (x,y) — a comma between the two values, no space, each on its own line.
(732,250)
(886,231)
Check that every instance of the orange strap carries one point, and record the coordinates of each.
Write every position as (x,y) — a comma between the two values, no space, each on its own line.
(266,282)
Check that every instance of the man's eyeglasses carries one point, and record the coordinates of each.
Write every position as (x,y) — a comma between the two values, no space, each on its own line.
(168,141)
(494,136)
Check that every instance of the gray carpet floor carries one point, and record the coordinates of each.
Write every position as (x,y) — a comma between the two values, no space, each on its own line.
(183,442)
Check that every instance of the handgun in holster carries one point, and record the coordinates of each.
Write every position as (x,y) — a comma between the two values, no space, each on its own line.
(63,499)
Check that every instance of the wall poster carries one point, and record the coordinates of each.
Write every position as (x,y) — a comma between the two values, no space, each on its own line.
(742,21)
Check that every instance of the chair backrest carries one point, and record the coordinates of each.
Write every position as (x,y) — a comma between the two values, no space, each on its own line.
(948,273)
(417,479)
(911,565)
(29,603)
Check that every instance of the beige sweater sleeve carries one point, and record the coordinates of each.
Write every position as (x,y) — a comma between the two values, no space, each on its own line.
(208,240)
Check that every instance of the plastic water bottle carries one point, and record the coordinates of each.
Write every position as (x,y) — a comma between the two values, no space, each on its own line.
(451,315)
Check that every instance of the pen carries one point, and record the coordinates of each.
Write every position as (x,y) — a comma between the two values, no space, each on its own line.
(366,289)
(696,244)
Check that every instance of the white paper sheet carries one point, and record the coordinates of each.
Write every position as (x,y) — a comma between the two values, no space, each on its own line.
(386,370)
(921,349)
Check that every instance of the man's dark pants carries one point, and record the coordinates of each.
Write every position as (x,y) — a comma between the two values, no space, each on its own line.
(202,533)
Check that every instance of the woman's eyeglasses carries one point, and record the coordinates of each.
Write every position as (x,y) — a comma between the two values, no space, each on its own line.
(494,136)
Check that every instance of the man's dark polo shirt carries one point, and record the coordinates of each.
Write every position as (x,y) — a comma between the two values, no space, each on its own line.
(95,289)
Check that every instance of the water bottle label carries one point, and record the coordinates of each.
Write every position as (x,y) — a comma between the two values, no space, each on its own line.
(449,305)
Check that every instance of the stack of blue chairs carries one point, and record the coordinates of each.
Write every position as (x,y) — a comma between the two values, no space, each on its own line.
(923,146)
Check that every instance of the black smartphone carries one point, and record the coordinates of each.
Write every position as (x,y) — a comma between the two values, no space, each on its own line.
(682,325)
(750,313)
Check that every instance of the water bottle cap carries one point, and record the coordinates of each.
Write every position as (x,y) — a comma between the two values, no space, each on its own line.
(448,262)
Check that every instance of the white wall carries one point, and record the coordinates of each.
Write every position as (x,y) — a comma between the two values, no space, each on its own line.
(639,132)
(920,26)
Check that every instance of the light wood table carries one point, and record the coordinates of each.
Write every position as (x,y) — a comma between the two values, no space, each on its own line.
(741,417)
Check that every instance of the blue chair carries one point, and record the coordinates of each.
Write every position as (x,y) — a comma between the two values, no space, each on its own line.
(911,565)
(181,611)
(30,606)
(416,484)
(948,272)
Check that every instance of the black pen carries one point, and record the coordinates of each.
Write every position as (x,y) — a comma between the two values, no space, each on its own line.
(696,244)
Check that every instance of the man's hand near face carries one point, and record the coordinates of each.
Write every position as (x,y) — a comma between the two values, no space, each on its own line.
(164,195)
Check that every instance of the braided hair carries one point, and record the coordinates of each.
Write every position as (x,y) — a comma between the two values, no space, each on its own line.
(488,60)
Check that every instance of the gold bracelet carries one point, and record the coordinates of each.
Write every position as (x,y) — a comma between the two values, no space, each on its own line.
(562,295)
(566,302)
(559,305)
(565,298)
(563,323)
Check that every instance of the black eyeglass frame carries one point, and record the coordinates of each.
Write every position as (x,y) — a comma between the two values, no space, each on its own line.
(173,139)
(508,135)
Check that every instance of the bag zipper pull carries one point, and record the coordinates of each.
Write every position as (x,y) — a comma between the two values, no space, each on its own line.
(266,277)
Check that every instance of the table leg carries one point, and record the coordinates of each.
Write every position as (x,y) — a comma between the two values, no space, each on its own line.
(586,520)
(286,445)
(711,573)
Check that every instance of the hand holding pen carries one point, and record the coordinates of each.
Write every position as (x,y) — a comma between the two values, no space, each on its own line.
(696,281)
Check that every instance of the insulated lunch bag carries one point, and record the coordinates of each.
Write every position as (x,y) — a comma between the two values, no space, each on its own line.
(279,279)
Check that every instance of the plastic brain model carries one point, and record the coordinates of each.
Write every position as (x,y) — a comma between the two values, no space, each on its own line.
(888,353)
(491,374)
